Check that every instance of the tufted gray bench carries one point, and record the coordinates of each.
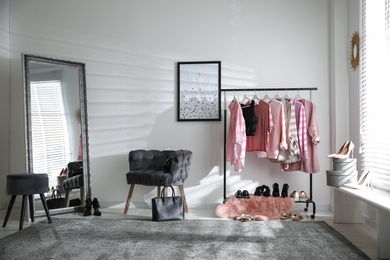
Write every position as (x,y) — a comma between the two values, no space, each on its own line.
(75,180)
(158,168)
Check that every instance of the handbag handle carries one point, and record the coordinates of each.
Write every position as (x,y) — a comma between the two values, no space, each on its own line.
(54,195)
(162,191)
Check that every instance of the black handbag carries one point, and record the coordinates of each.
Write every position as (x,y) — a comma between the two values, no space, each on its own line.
(56,200)
(167,208)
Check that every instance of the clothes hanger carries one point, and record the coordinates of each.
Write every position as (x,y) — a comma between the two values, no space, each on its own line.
(286,96)
(256,98)
(266,96)
(245,99)
(298,96)
(277,96)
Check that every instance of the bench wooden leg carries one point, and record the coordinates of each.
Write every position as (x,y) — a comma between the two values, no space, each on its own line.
(181,187)
(129,198)
(67,198)
(158,191)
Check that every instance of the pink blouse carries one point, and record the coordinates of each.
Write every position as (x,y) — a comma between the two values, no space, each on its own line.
(236,139)
(277,137)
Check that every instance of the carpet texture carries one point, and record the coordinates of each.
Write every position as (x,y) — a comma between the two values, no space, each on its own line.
(261,208)
(94,238)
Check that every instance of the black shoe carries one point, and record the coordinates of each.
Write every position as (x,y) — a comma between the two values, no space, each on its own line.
(259,190)
(96,207)
(88,207)
(275,191)
(238,194)
(266,191)
(245,194)
(285,190)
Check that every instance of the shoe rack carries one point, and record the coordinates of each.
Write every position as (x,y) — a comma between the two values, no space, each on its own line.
(310,197)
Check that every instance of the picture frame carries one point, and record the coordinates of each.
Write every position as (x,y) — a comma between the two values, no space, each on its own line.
(199,91)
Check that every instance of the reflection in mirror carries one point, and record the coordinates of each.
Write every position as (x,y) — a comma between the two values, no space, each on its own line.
(56,129)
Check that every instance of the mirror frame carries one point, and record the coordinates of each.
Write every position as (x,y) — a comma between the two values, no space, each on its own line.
(26,59)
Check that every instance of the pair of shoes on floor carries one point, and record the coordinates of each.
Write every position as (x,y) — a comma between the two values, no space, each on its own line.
(244,218)
(88,207)
(276,193)
(263,191)
(294,217)
(299,196)
(242,194)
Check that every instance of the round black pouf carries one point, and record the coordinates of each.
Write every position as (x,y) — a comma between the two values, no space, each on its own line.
(27,184)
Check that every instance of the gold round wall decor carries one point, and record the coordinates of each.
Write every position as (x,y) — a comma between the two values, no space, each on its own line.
(354,51)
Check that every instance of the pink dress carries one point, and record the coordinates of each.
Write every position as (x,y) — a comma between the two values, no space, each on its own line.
(236,139)
(312,164)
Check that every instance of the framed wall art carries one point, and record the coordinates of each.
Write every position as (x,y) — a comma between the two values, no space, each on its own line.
(199,91)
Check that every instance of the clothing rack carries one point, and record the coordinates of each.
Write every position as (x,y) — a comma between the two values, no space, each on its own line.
(310,199)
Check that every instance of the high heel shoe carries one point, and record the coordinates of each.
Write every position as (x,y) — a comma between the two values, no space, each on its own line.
(285,190)
(340,150)
(88,207)
(96,206)
(275,191)
(346,151)
(363,182)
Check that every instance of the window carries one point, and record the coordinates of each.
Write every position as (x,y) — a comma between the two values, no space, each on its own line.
(49,126)
(375,91)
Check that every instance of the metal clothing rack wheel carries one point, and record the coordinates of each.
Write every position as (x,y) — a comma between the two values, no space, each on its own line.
(310,199)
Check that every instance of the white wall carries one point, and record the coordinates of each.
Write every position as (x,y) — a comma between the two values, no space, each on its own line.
(131,48)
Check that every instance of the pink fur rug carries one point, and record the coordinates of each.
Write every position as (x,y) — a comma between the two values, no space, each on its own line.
(259,207)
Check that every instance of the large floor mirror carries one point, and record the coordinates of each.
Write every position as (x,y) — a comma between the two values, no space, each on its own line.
(56,126)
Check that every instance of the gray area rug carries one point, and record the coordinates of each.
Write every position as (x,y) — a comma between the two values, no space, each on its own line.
(95,238)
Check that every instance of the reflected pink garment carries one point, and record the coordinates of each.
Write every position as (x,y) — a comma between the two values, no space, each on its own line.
(236,139)
(80,155)
(312,164)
